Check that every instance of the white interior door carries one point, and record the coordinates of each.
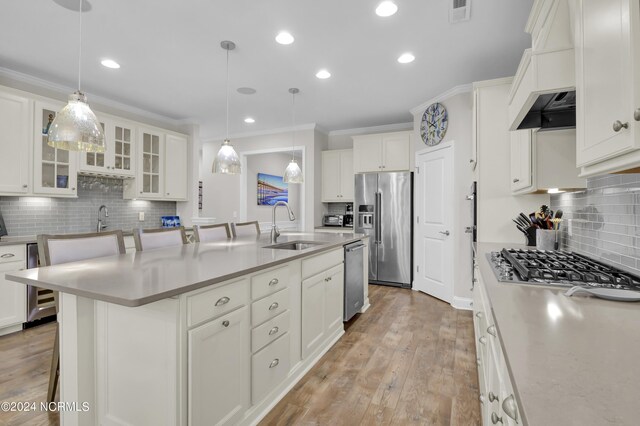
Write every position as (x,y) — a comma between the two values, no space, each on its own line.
(434,232)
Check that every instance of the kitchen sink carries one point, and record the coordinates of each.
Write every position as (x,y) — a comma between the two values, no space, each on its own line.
(295,245)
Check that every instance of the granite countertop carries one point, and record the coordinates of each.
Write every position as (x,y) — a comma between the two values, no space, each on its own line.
(573,360)
(140,278)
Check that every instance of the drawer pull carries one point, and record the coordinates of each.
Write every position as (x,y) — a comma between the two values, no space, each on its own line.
(225,323)
(222,301)
(619,125)
(492,330)
(483,340)
(274,363)
(481,399)
(7,255)
(274,281)
(495,419)
(510,408)
(273,331)
(273,306)
(493,397)
(479,314)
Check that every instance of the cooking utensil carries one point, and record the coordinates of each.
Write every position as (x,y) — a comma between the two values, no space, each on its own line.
(521,222)
(525,218)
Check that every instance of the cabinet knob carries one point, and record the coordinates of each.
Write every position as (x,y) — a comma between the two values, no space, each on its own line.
(492,330)
(73,189)
(483,340)
(222,301)
(516,180)
(619,125)
(273,306)
(479,314)
(493,397)
(25,186)
(273,331)
(510,407)
(274,363)
(274,281)
(168,193)
(636,114)
(495,419)
(481,398)
(141,192)
(225,323)
(479,362)
(471,160)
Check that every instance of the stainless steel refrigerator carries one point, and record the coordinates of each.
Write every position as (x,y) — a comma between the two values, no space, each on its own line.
(384,212)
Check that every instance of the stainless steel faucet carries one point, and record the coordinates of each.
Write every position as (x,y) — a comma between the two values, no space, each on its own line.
(102,223)
(274,228)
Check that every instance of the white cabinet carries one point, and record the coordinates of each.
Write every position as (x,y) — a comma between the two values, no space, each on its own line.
(607,85)
(544,160)
(337,176)
(13,296)
(119,156)
(175,171)
(219,366)
(385,152)
(334,294)
(55,170)
(15,141)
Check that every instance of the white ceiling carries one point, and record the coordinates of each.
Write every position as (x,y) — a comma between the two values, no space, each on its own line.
(172,63)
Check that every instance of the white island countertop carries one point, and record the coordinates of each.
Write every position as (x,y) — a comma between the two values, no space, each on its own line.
(140,278)
(572,360)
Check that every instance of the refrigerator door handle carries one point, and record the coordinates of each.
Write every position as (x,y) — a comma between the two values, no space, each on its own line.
(378,224)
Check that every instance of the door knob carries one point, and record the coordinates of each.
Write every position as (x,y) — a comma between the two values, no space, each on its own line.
(445,233)
(636,114)
(468,230)
(618,125)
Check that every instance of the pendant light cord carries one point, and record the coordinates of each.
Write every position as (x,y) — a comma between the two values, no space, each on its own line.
(293,121)
(80,48)
(227,94)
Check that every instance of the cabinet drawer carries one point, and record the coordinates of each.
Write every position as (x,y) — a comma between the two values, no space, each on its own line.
(269,307)
(322,262)
(215,302)
(13,253)
(270,367)
(269,331)
(269,282)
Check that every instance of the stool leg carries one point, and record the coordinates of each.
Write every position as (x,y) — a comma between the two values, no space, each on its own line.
(54,373)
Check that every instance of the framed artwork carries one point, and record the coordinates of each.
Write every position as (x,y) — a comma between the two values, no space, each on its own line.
(271,189)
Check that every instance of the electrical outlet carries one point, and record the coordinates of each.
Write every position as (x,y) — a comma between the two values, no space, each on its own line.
(141,216)
(235,215)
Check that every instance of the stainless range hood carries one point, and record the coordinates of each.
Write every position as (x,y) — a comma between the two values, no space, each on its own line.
(543,92)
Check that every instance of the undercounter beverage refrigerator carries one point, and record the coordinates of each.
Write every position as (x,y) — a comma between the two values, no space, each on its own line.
(384,212)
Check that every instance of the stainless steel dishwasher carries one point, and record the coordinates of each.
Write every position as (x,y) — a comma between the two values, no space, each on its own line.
(353,279)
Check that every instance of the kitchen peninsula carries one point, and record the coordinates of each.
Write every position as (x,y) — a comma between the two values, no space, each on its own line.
(209,333)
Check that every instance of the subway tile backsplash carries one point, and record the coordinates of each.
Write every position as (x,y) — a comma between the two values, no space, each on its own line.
(605,220)
(26,216)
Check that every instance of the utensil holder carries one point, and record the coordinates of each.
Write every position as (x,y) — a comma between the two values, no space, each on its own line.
(531,236)
(546,239)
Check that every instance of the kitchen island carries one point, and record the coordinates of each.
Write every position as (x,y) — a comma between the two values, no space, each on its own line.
(569,360)
(200,334)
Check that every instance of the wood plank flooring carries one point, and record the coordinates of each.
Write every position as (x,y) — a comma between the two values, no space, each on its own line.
(410,359)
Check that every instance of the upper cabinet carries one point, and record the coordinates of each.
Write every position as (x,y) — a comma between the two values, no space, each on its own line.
(152,157)
(607,85)
(176,164)
(119,156)
(337,176)
(55,170)
(384,152)
(15,138)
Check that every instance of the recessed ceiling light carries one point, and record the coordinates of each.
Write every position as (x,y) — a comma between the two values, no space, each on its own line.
(405,58)
(246,90)
(323,74)
(110,63)
(249,120)
(386,8)
(284,38)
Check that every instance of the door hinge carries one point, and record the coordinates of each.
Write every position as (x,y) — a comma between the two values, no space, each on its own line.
(417,268)
(417,170)
(417,219)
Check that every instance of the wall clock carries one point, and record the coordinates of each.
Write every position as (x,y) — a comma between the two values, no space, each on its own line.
(434,124)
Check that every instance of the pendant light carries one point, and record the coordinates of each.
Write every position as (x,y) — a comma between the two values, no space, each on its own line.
(293,174)
(227,160)
(75,127)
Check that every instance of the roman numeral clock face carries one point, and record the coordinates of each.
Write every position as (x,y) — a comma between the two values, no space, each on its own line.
(434,124)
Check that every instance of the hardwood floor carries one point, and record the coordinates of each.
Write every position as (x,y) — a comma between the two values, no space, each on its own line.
(410,359)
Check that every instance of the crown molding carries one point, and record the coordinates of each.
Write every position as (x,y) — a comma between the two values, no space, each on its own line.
(63,91)
(373,129)
(463,88)
(308,126)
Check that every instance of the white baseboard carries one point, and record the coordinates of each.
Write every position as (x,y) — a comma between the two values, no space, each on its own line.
(366,306)
(464,303)
(11,329)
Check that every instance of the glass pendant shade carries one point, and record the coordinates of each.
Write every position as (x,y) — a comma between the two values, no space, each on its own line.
(76,128)
(227,160)
(292,173)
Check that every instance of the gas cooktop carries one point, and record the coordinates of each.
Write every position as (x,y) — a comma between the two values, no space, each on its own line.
(558,268)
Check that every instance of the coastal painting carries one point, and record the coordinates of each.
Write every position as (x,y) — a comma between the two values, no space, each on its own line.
(271,189)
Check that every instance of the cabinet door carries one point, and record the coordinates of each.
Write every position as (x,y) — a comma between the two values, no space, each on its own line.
(604,79)
(97,162)
(176,174)
(367,153)
(151,158)
(123,148)
(14,144)
(521,160)
(55,170)
(219,353)
(396,152)
(331,168)
(313,313)
(334,299)
(13,296)
(347,182)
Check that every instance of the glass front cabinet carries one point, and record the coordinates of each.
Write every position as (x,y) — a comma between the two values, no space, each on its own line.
(119,157)
(55,170)
(149,178)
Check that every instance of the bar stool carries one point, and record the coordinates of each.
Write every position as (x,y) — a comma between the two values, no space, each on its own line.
(58,249)
(206,233)
(150,239)
(245,229)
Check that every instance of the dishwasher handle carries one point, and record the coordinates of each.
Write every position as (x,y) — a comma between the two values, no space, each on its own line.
(356,248)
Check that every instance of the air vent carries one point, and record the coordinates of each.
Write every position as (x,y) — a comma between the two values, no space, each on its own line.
(460,10)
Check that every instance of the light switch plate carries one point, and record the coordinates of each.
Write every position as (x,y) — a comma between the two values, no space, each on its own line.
(141,216)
